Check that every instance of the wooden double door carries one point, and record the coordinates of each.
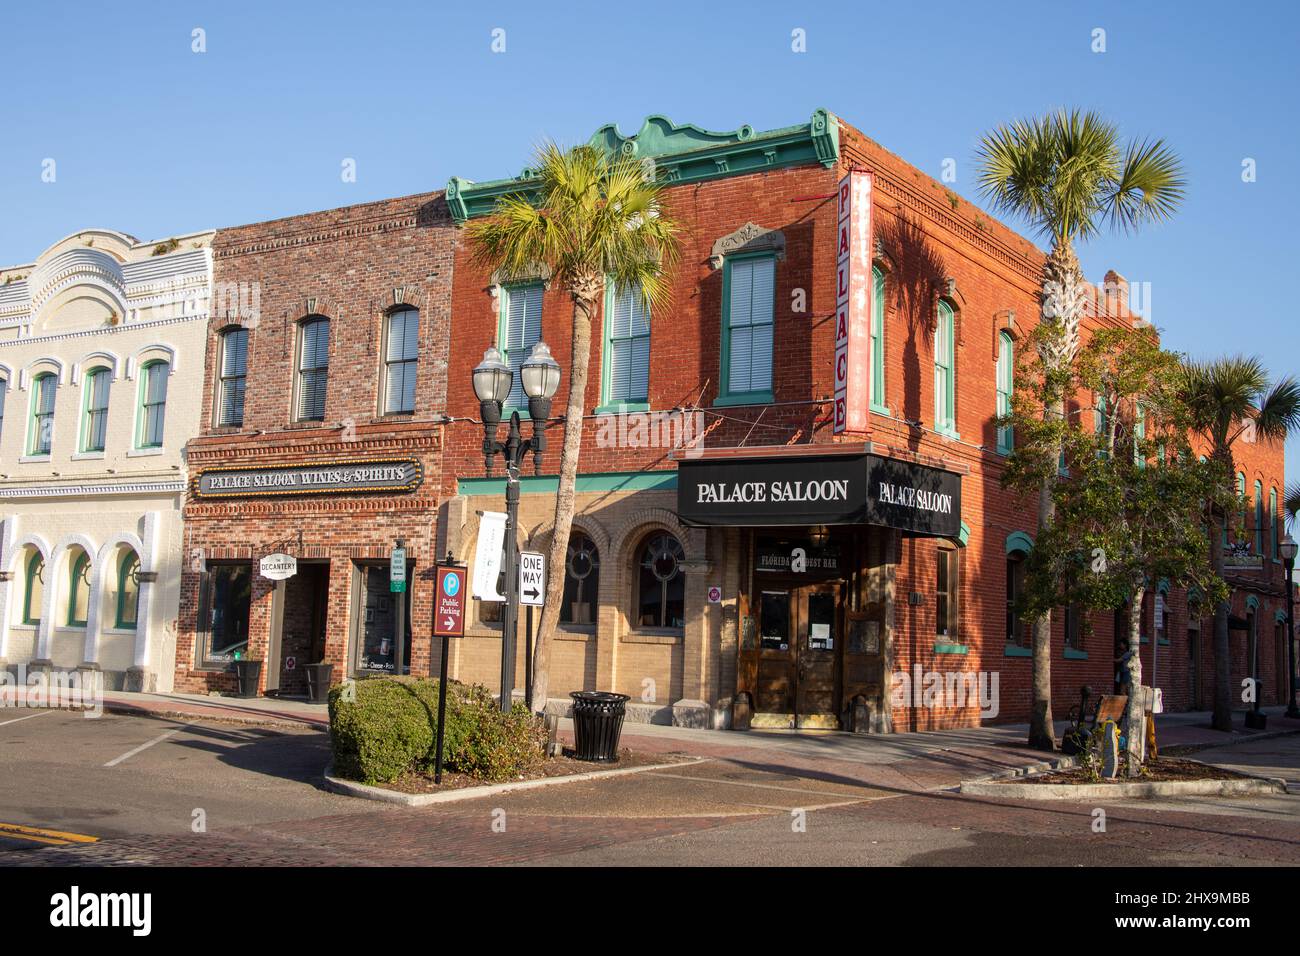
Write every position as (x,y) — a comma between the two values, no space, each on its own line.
(796,664)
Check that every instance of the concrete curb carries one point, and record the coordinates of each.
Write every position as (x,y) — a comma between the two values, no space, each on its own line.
(253,720)
(351,788)
(991,787)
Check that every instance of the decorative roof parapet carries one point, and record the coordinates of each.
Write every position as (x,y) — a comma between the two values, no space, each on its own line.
(679,154)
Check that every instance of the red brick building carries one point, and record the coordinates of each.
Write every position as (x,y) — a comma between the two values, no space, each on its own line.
(723,615)
(321,439)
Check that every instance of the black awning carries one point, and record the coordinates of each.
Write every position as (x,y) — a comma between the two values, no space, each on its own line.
(819,489)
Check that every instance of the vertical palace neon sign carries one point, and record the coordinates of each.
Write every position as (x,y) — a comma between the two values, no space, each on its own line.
(853,303)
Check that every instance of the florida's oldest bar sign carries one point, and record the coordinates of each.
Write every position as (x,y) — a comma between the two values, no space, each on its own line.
(853,303)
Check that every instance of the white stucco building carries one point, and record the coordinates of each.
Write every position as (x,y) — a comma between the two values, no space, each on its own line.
(101,375)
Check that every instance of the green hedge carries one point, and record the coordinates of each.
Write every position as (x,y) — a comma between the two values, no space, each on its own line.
(383,727)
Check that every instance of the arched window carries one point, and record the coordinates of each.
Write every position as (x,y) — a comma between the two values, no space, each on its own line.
(878,339)
(234,372)
(41,438)
(1006,357)
(94,429)
(313,368)
(401,353)
(128,590)
(34,588)
(1017,628)
(153,403)
(1274,518)
(4,390)
(581,581)
(1259,518)
(945,373)
(78,588)
(661,583)
(1241,493)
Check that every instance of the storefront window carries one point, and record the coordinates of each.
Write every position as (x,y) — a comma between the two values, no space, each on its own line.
(230,590)
(661,583)
(378,626)
(581,581)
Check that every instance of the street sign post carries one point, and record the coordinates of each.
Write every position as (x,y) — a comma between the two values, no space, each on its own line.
(532,578)
(397,570)
(448,622)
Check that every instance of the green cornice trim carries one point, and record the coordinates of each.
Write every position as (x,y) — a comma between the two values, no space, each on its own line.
(681,154)
(596,481)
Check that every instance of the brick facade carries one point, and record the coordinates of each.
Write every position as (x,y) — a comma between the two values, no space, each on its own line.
(353,266)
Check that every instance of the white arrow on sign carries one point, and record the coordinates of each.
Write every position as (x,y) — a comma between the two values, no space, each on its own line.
(532,578)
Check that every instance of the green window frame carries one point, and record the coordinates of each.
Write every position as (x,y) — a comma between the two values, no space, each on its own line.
(519,329)
(78,584)
(1005,378)
(1241,493)
(625,362)
(1139,435)
(945,373)
(878,403)
(1259,518)
(1274,525)
(153,403)
(94,409)
(127,571)
(748,329)
(35,572)
(45,390)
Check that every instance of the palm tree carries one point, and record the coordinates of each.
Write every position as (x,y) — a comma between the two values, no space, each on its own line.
(1291,505)
(587,219)
(1068,175)
(1227,396)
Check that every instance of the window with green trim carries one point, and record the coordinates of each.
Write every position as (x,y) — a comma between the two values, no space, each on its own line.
(627,346)
(521,329)
(1241,493)
(1139,435)
(94,428)
(78,589)
(878,340)
(41,434)
(1259,518)
(945,373)
(747,329)
(128,590)
(1274,523)
(1005,369)
(34,588)
(153,404)
(1073,628)
(1017,629)
(1102,425)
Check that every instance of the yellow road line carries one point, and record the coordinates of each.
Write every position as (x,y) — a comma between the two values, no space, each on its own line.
(40,835)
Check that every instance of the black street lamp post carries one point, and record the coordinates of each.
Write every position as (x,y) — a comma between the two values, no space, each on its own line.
(493,378)
(1288,548)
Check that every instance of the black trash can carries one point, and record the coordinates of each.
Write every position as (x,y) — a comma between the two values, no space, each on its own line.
(247,673)
(597,724)
(319,677)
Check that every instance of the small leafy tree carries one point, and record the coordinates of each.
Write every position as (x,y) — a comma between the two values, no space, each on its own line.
(1132,511)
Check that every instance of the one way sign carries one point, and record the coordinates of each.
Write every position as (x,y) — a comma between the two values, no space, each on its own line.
(532,578)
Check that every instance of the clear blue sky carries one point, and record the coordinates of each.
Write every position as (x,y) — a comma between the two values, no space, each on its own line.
(154,139)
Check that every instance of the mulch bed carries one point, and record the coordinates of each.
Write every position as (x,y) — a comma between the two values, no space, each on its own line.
(1158,770)
(564,766)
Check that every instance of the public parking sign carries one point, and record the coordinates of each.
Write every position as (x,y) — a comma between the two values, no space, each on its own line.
(449,608)
(532,578)
(397,571)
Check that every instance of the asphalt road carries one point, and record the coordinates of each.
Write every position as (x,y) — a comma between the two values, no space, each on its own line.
(124,790)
